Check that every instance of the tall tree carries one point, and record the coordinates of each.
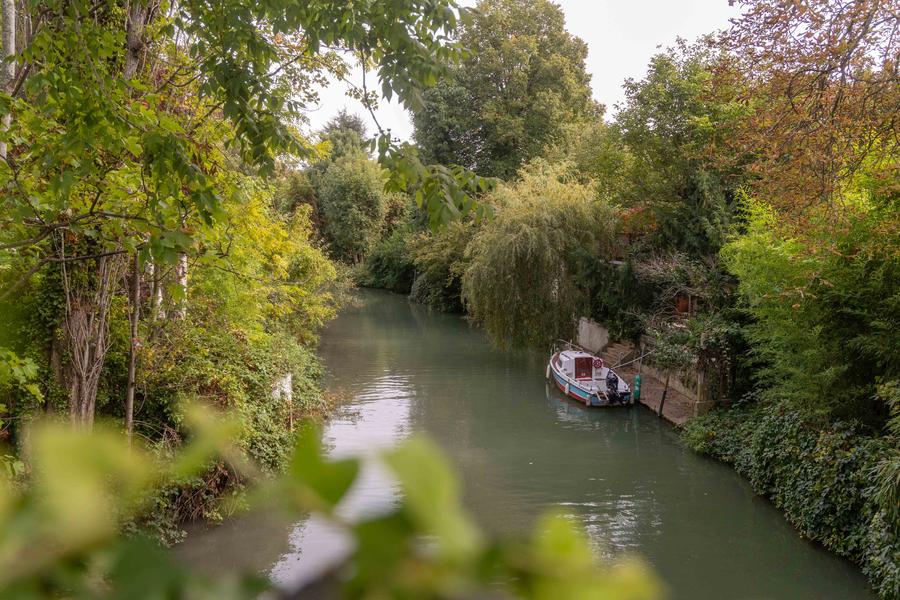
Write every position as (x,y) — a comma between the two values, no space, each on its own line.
(675,123)
(830,76)
(352,204)
(127,131)
(522,83)
(345,133)
(523,281)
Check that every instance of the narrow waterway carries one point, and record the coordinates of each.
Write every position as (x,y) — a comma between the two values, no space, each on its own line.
(522,449)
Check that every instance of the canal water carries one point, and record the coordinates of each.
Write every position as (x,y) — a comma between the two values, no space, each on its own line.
(522,449)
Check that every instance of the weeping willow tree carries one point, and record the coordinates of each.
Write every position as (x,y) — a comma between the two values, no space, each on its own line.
(523,281)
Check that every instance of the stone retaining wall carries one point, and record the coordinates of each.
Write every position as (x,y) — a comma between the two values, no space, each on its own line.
(686,396)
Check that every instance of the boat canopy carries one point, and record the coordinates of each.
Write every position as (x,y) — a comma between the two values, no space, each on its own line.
(580,365)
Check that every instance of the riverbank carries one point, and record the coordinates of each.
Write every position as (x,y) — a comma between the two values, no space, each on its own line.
(265,410)
(622,475)
(821,479)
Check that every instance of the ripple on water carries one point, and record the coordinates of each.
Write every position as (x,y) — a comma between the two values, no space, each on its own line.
(377,418)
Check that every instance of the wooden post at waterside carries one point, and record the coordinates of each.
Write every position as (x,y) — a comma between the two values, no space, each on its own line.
(662,400)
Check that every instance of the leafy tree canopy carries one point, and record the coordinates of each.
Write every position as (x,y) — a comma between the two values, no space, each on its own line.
(352,204)
(674,124)
(523,282)
(345,133)
(521,85)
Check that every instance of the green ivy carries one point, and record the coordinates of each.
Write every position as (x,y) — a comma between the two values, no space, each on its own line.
(820,478)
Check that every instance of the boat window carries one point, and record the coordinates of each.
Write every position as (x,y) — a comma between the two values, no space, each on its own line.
(584,367)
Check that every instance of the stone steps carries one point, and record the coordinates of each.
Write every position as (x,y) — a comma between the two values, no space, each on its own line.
(615,353)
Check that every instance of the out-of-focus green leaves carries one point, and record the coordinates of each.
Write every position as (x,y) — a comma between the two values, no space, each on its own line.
(214,438)
(432,497)
(314,483)
(561,565)
(59,536)
(143,570)
(82,485)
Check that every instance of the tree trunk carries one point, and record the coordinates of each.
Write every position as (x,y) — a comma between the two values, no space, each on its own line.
(156,293)
(88,294)
(140,12)
(135,299)
(179,311)
(8,73)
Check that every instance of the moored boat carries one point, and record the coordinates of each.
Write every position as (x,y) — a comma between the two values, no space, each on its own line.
(582,375)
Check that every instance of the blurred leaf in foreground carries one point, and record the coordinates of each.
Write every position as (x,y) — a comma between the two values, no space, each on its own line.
(60,535)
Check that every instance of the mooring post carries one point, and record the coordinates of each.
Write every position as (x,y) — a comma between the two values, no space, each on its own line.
(662,400)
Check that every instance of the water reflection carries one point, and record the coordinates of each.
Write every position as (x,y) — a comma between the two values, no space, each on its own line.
(377,418)
(522,449)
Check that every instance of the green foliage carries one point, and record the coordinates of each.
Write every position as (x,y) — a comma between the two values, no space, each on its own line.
(390,264)
(427,547)
(168,134)
(887,474)
(675,124)
(441,260)
(133,136)
(296,189)
(617,297)
(599,153)
(522,84)
(19,373)
(825,306)
(820,478)
(523,280)
(353,205)
(456,186)
(345,134)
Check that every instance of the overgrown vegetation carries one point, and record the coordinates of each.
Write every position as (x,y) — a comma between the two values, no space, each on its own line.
(158,246)
(820,477)
(170,236)
(739,213)
(522,280)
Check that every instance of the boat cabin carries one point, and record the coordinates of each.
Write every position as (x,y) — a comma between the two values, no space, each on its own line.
(580,365)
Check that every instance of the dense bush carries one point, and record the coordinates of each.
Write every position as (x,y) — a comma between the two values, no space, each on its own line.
(390,264)
(441,260)
(257,292)
(352,204)
(820,478)
(825,304)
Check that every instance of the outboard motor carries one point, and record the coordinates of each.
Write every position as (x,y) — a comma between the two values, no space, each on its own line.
(612,387)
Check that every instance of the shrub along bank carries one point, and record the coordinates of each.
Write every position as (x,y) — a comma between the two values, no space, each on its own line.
(713,214)
(821,478)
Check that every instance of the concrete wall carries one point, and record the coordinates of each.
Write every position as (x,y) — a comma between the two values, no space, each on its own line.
(690,384)
(592,336)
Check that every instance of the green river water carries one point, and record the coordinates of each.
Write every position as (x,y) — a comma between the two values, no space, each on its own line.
(522,449)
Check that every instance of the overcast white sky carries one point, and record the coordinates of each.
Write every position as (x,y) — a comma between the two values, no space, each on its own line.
(621,35)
